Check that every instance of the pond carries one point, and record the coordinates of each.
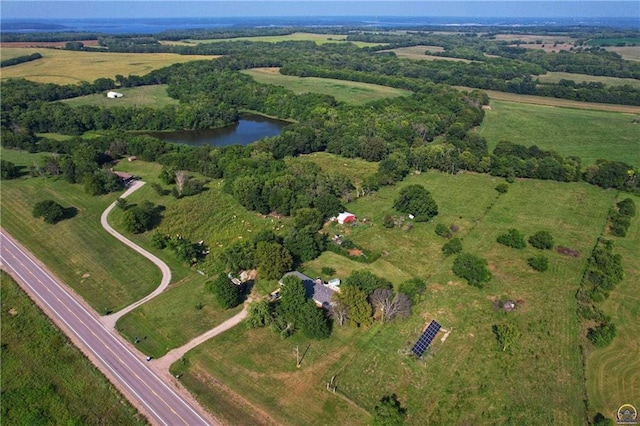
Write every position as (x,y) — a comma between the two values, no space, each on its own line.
(250,128)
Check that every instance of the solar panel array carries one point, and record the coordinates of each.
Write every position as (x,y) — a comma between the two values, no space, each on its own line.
(427,337)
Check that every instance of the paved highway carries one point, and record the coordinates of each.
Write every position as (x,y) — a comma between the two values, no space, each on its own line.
(161,404)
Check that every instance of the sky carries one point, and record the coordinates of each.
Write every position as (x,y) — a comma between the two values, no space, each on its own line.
(37,9)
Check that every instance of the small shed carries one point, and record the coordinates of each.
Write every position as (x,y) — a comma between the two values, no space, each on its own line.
(113,95)
(346,217)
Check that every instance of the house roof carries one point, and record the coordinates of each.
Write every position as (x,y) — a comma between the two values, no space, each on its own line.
(317,291)
(345,216)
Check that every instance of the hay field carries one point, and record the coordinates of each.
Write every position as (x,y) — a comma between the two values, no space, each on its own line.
(345,91)
(588,134)
(613,373)
(546,100)
(69,67)
(317,38)
(555,77)
(417,53)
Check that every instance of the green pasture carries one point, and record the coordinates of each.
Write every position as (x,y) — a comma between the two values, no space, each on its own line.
(555,77)
(149,96)
(464,379)
(45,378)
(317,38)
(588,134)
(613,373)
(106,273)
(351,92)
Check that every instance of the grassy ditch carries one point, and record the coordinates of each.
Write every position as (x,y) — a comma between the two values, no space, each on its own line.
(45,378)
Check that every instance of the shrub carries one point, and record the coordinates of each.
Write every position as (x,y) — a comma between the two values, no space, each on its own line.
(226,293)
(159,240)
(541,240)
(443,231)
(472,268)
(502,188)
(388,222)
(539,263)
(513,239)
(49,210)
(8,170)
(452,246)
(326,270)
(627,207)
(413,288)
(602,335)
(619,225)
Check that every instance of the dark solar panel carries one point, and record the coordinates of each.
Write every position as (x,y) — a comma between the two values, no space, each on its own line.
(427,337)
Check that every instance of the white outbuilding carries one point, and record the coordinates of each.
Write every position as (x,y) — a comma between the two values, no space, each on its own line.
(114,95)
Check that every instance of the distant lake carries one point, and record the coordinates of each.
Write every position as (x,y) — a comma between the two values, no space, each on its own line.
(250,128)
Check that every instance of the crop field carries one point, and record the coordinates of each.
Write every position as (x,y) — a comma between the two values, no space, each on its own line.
(555,77)
(344,91)
(463,379)
(613,373)
(107,274)
(150,96)
(45,378)
(588,134)
(317,38)
(70,67)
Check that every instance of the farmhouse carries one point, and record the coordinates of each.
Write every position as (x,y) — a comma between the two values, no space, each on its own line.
(114,95)
(346,217)
(316,289)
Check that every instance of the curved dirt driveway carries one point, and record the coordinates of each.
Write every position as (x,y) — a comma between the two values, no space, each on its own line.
(111,319)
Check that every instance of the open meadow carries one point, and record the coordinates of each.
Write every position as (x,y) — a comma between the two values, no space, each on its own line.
(351,92)
(463,379)
(45,378)
(107,274)
(154,96)
(70,67)
(588,134)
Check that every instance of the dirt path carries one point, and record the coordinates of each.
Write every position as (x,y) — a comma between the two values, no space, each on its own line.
(175,354)
(110,320)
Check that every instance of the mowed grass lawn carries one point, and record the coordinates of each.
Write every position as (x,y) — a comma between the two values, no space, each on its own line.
(69,67)
(613,373)
(588,134)
(106,273)
(351,92)
(464,379)
(45,378)
(151,96)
